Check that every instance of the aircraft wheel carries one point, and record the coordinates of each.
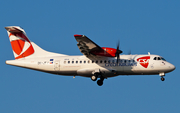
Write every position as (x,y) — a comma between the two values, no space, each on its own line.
(100,82)
(162,78)
(94,77)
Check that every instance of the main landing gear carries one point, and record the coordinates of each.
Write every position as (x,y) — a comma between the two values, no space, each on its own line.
(94,77)
(100,81)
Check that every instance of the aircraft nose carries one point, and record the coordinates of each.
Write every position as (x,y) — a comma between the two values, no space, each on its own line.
(172,67)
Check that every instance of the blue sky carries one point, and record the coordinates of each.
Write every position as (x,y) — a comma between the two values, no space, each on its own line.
(142,26)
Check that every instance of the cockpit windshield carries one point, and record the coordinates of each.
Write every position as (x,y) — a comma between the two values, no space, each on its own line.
(159,58)
(163,58)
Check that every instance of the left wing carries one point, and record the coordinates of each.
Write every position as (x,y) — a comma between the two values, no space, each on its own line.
(87,46)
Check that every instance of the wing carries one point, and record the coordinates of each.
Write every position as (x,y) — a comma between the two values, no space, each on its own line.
(87,46)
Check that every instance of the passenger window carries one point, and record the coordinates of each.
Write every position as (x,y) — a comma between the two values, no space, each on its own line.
(104,61)
(84,61)
(100,61)
(68,62)
(96,61)
(76,62)
(112,61)
(72,62)
(109,61)
(88,61)
(64,62)
(80,61)
(124,61)
(92,61)
(121,61)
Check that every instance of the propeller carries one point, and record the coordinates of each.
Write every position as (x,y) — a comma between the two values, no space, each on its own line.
(118,52)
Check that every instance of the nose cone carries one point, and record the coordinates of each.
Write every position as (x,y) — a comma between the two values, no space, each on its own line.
(172,67)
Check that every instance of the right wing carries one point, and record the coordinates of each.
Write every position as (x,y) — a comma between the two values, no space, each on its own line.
(87,46)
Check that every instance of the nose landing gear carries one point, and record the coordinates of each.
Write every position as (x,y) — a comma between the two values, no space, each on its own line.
(162,76)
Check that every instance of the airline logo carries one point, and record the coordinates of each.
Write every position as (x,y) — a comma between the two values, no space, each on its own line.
(144,61)
(21,45)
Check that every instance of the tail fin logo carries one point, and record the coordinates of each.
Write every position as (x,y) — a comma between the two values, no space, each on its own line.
(144,61)
(21,45)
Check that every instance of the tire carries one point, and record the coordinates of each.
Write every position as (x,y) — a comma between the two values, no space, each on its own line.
(162,78)
(93,77)
(100,82)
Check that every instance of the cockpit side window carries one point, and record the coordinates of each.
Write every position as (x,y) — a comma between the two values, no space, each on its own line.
(155,58)
(159,58)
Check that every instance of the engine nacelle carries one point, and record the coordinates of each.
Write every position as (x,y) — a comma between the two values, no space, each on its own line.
(106,51)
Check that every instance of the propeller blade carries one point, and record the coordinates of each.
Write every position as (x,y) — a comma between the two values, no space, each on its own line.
(117,59)
(118,52)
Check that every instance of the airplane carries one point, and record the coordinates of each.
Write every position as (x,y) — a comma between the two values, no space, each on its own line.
(96,62)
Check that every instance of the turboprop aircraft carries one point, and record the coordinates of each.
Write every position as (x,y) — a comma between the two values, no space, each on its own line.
(96,62)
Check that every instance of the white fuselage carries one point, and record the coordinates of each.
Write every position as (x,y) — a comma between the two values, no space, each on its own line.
(83,66)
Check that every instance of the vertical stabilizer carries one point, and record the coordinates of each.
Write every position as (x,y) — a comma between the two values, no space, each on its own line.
(22,47)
